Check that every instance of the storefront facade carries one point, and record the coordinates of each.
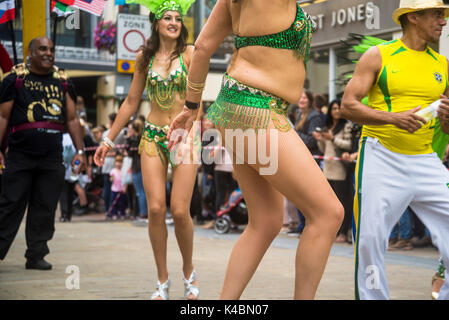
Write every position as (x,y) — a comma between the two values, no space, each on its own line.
(332,59)
(331,56)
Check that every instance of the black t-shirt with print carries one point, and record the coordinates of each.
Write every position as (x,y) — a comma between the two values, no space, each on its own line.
(39,98)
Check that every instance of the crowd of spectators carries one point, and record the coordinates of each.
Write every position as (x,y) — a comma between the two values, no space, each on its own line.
(332,140)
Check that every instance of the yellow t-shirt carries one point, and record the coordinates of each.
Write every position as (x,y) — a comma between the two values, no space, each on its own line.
(407,79)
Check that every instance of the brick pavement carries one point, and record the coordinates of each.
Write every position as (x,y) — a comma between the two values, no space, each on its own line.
(115,261)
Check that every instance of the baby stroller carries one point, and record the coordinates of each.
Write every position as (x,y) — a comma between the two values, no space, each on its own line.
(233,213)
(94,190)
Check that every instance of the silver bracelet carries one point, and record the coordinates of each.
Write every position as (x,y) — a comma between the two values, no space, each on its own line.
(109,142)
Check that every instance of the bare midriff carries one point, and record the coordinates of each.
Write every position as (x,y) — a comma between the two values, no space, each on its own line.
(276,71)
(273,70)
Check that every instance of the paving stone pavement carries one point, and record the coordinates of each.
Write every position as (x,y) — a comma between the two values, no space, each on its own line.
(115,261)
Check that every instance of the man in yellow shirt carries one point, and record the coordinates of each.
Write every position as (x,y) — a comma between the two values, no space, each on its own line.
(397,165)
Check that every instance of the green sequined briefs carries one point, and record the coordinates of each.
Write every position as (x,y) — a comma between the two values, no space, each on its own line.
(298,37)
(154,142)
(239,106)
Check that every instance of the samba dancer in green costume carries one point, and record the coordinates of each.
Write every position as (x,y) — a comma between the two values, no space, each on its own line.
(161,68)
(267,71)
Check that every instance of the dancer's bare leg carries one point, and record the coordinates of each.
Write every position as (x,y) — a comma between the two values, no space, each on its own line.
(265,205)
(154,178)
(300,179)
(184,176)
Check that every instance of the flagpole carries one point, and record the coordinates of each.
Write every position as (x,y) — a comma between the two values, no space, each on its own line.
(13,38)
(55,24)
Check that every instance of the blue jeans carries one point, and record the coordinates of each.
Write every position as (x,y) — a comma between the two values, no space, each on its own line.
(403,228)
(302,221)
(140,192)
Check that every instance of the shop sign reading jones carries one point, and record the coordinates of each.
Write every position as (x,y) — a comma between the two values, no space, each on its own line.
(336,18)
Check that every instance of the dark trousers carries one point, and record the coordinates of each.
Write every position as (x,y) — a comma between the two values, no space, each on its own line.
(195,203)
(224,185)
(343,190)
(66,200)
(107,191)
(35,181)
(118,204)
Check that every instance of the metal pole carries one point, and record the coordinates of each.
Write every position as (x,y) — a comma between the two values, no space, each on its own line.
(13,38)
(55,26)
(200,14)
(48,18)
(332,73)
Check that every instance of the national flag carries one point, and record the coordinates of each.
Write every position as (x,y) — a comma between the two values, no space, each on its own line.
(67,2)
(95,7)
(7,10)
(60,9)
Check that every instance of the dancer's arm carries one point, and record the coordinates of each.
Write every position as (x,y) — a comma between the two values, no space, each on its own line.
(217,27)
(189,53)
(127,109)
(132,101)
(365,76)
(443,111)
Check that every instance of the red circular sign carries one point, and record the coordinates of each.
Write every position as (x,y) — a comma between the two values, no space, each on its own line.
(138,34)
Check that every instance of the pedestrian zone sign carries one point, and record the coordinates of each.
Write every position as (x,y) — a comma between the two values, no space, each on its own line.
(132,32)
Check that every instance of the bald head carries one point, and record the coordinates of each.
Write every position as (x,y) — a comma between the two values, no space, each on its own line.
(41,54)
(33,42)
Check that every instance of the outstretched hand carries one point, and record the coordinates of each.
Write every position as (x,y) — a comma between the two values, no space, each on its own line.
(100,154)
(180,127)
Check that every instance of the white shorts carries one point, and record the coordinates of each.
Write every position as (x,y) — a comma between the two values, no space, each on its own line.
(386,184)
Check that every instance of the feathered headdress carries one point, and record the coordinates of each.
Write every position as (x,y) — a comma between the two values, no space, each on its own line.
(159,7)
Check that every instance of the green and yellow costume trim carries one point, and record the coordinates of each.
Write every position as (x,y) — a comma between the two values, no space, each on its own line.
(154,142)
(163,90)
(239,106)
(297,37)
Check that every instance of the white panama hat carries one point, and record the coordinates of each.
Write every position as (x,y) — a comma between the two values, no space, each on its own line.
(407,6)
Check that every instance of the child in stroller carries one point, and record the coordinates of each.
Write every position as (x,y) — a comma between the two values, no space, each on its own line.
(232,214)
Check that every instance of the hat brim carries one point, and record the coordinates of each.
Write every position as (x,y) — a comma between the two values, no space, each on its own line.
(401,11)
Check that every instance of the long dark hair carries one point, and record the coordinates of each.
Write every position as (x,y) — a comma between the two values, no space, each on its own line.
(305,113)
(153,43)
(329,122)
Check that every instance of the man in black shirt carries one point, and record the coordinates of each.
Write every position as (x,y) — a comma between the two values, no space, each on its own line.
(36,104)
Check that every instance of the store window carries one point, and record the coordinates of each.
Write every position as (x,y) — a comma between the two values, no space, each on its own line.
(129,8)
(317,74)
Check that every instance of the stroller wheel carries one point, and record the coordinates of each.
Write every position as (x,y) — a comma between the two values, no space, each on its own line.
(222,225)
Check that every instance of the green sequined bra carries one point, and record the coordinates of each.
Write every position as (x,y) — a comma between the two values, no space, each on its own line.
(163,90)
(298,37)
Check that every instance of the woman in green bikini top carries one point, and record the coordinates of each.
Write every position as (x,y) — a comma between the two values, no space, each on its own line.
(161,69)
(266,73)
(167,95)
